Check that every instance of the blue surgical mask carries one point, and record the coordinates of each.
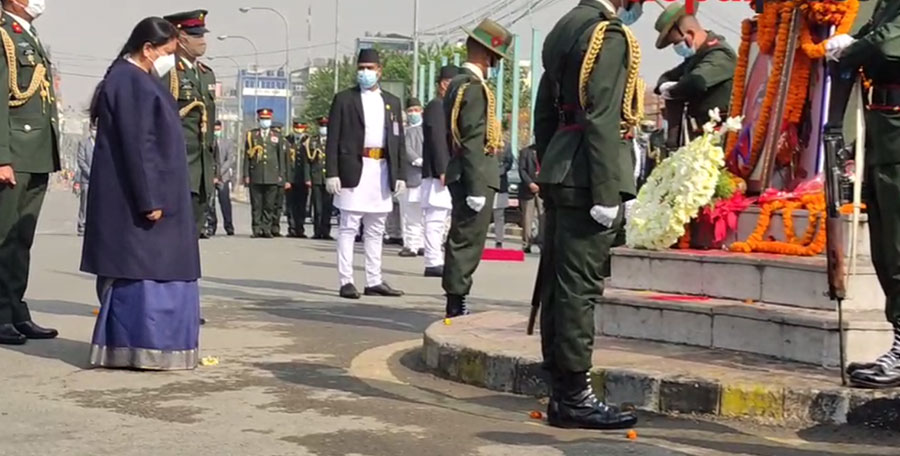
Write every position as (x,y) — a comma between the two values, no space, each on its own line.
(631,15)
(415,118)
(684,50)
(265,124)
(367,78)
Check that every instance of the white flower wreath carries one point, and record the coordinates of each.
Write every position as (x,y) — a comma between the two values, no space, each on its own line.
(678,188)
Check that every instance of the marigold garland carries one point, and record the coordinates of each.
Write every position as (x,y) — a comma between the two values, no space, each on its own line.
(767,27)
(762,124)
(798,91)
(740,78)
(839,14)
(813,241)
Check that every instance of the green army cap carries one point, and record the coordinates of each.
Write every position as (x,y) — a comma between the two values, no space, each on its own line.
(492,36)
(667,20)
(192,22)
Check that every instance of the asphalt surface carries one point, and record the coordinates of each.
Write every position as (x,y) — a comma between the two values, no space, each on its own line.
(302,372)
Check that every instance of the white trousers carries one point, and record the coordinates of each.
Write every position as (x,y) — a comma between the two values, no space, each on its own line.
(373,236)
(411,214)
(435,228)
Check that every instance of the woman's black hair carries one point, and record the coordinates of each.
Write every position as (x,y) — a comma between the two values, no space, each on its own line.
(153,30)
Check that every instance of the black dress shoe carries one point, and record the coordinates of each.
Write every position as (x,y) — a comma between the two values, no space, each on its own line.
(276,235)
(435,271)
(328,237)
(349,292)
(393,241)
(204,236)
(876,378)
(266,235)
(527,250)
(574,406)
(420,252)
(407,253)
(498,245)
(230,233)
(456,306)
(10,336)
(32,331)
(202,321)
(382,290)
(303,236)
(853,367)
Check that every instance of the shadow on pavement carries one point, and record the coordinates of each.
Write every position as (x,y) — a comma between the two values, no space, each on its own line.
(359,267)
(365,315)
(76,309)
(75,353)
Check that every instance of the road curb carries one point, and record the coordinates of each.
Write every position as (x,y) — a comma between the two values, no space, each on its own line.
(450,357)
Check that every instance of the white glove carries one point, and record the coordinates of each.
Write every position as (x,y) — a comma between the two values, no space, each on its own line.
(605,215)
(399,187)
(418,163)
(836,45)
(476,203)
(664,89)
(333,185)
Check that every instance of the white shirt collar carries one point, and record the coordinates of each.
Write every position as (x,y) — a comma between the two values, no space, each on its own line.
(370,92)
(133,62)
(606,4)
(188,63)
(25,24)
(474,69)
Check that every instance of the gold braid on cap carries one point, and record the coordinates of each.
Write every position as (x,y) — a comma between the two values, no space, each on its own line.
(493,129)
(38,80)
(633,102)
(254,150)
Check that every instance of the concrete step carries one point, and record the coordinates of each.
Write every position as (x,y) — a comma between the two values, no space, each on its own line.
(748,219)
(788,333)
(774,279)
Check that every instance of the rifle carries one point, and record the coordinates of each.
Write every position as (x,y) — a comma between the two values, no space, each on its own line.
(536,296)
(839,185)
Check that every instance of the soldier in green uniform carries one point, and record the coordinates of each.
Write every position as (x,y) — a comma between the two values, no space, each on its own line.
(322,201)
(472,178)
(876,49)
(193,84)
(281,203)
(702,82)
(29,152)
(298,163)
(266,173)
(584,109)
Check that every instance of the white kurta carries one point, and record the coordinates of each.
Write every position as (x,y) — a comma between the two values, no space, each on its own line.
(435,195)
(373,194)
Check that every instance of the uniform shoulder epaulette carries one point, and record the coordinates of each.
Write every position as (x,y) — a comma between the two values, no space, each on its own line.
(632,105)
(203,67)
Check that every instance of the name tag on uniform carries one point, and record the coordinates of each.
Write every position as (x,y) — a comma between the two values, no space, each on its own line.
(396,129)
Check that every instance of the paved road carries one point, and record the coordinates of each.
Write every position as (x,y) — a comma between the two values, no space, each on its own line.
(304,373)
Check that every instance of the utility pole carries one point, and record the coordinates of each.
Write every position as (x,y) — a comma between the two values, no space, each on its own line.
(415,73)
(337,29)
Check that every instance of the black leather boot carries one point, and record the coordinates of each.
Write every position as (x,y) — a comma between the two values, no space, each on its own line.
(456,306)
(886,363)
(574,406)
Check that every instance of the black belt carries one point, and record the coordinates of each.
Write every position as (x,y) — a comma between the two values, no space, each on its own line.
(885,98)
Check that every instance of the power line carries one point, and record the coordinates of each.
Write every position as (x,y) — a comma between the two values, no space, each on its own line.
(279,51)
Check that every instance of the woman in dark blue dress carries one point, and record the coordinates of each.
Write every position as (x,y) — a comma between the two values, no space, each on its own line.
(140,238)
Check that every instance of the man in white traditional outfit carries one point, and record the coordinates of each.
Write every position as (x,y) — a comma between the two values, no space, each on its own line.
(435,197)
(364,170)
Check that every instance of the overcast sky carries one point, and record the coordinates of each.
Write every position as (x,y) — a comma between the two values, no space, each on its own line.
(85,34)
